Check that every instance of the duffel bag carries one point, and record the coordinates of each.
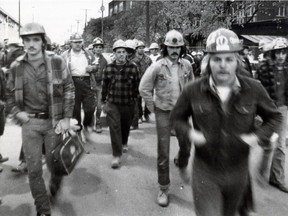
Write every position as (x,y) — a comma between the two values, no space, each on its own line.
(67,154)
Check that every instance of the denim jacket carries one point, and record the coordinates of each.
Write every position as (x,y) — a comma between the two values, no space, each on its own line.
(157,81)
(222,129)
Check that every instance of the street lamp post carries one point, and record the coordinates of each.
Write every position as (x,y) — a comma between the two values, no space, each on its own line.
(102,25)
(19,18)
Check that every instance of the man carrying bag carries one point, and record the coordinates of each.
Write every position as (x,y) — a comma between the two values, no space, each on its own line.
(40,96)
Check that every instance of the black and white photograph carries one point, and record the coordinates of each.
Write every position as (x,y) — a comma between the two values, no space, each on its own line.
(143,108)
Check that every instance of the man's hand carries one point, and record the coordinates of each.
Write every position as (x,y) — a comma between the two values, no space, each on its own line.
(250,139)
(89,68)
(197,137)
(22,117)
(185,175)
(63,126)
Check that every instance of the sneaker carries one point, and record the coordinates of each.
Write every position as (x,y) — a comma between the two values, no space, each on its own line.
(162,198)
(115,162)
(98,129)
(124,148)
(21,168)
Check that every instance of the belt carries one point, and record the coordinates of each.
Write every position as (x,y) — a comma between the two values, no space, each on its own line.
(81,77)
(41,115)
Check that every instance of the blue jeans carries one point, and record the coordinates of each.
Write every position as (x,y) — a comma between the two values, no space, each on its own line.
(34,133)
(163,126)
(277,172)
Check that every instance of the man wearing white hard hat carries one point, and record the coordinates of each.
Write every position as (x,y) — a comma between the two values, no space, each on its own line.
(222,105)
(160,88)
(154,52)
(119,96)
(272,73)
(80,63)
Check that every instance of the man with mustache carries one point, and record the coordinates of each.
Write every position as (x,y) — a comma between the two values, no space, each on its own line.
(40,96)
(222,105)
(163,81)
(273,74)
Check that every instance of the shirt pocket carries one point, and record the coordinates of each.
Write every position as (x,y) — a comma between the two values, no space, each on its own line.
(57,90)
(202,109)
(161,80)
(244,115)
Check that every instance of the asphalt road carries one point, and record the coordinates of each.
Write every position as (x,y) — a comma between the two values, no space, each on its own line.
(94,189)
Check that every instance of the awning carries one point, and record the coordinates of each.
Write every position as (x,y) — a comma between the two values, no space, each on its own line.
(257,38)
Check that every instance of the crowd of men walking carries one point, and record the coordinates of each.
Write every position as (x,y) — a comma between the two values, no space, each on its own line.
(215,103)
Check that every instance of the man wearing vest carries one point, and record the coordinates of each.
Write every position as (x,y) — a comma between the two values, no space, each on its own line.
(40,96)
(79,62)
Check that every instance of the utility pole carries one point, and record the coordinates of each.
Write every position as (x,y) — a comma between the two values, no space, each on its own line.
(102,25)
(147,23)
(77,24)
(85,17)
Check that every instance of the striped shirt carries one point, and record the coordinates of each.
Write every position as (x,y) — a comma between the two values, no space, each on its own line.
(120,83)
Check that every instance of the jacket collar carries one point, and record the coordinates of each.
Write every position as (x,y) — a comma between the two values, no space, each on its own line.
(239,85)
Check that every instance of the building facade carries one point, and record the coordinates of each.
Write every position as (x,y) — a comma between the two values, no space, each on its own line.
(117,6)
(9,27)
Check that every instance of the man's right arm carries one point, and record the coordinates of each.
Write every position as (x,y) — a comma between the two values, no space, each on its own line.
(147,85)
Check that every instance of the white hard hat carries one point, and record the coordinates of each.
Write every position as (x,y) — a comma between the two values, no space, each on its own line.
(130,44)
(174,38)
(154,46)
(119,44)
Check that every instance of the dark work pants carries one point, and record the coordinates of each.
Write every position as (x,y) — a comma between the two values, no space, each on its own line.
(119,119)
(84,96)
(218,193)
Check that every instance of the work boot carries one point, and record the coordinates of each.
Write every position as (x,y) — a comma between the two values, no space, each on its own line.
(115,162)
(3,159)
(125,148)
(162,198)
(21,168)
(98,129)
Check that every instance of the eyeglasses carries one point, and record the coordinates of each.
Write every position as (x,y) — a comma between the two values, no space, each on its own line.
(77,42)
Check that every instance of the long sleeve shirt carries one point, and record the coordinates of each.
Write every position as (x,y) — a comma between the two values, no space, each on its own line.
(120,83)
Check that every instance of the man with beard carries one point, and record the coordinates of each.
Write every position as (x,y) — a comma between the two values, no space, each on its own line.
(163,81)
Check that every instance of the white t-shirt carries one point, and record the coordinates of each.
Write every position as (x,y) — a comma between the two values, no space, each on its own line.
(78,64)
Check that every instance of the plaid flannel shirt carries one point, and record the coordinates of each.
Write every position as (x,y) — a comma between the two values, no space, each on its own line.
(120,86)
(60,87)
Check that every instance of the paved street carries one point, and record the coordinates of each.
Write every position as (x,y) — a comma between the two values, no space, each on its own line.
(94,189)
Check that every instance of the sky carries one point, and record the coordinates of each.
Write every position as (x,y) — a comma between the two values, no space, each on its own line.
(60,18)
